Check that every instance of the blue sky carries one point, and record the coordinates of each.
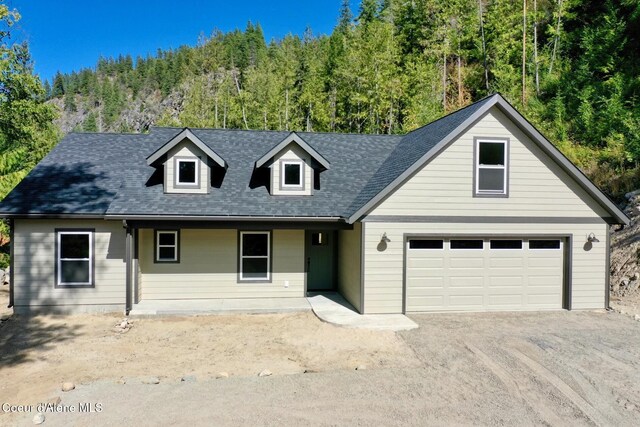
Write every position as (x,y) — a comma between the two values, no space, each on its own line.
(67,35)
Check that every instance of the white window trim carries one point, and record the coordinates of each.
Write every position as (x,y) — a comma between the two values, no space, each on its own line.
(300,163)
(59,259)
(504,167)
(242,257)
(174,246)
(197,175)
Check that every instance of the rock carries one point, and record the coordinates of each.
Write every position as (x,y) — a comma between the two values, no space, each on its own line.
(5,317)
(637,317)
(68,386)
(222,375)
(361,368)
(121,381)
(188,379)
(151,380)
(55,401)
(38,418)
(265,373)
(124,324)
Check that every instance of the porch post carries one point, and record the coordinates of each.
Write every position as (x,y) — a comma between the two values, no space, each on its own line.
(11,258)
(128,264)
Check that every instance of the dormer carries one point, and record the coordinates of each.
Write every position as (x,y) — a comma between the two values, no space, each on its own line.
(187,164)
(294,167)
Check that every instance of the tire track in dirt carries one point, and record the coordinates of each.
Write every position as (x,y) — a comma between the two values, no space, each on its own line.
(535,403)
(581,403)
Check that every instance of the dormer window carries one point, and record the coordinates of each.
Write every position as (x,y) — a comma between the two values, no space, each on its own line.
(187,171)
(292,174)
(294,166)
(188,165)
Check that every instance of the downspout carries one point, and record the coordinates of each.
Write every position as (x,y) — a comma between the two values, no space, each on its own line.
(128,253)
(607,278)
(11,267)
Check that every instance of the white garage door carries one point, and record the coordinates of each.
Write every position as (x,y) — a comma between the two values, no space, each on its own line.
(484,274)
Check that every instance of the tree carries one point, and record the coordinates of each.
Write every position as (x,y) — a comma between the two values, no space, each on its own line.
(26,129)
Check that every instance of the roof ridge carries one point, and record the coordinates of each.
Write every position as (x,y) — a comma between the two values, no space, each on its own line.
(280,131)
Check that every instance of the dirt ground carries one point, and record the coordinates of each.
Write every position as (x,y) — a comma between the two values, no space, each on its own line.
(550,368)
(628,305)
(525,369)
(38,354)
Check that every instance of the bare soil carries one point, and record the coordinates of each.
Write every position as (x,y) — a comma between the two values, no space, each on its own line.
(38,354)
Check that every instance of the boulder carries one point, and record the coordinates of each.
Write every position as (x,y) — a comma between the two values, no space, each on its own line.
(265,373)
(68,386)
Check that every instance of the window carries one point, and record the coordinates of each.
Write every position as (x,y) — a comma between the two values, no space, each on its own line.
(467,244)
(74,258)
(506,244)
(544,244)
(491,167)
(426,244)
(255,256)
(167,246)
(292,174)
(187,172)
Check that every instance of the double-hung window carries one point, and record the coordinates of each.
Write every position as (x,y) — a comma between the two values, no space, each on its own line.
(167,246)
(74,258)
(187,172)
(255,256)
(292,174)
(492,157)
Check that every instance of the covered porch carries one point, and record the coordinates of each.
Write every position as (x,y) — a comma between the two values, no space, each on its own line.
(176,266)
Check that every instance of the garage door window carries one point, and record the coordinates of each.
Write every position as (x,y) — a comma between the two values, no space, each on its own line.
(491,167)
(506,244)
(426,244)
(467,244)
(544,244)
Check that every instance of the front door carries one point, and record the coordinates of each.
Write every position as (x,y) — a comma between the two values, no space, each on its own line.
(321,260)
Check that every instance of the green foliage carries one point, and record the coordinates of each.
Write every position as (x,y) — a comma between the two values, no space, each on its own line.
(26,129)
(396,66)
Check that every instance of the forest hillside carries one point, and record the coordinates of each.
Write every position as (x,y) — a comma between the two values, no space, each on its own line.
(571,66)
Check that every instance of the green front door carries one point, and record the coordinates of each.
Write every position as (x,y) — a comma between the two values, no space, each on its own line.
(321,267)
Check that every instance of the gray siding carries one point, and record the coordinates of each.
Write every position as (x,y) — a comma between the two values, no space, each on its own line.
(349,265)
(34,267)
(444,188)
(292,152)
(208,267)
(384,269)
(186,149)
(537,185)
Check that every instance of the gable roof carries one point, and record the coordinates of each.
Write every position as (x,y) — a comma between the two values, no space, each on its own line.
(186,134)
(295,139)
(417,148)
(108,175)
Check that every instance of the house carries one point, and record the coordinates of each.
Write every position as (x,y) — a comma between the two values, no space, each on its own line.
(476,211)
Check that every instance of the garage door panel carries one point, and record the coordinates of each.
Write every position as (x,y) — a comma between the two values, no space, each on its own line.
(488,279)
(466,262)
(426,262)
(506,282)
(506,262)
(507,300)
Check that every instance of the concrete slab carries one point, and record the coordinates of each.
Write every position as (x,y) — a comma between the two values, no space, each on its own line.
(219,306)
(331,307)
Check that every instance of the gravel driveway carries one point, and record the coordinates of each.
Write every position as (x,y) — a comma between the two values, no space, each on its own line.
(578,368)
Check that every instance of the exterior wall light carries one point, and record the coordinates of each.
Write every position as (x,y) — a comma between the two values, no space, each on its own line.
(591,238)
(384,238)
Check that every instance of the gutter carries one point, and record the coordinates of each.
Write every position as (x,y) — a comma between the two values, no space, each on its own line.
(228,218)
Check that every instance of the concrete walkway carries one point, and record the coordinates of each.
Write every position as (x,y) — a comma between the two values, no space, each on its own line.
(219,306)
(331,307)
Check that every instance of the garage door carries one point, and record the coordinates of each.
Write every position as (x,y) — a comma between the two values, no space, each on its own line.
(484,274)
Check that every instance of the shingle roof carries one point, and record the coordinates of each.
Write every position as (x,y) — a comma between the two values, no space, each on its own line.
(107,174)
(411,148)
(96,174)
